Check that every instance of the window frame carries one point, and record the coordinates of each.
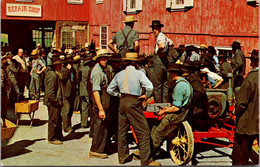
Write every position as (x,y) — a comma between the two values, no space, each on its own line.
(136,10)
(23,0)
(79,2)
(173,7)
(99,1)
(100,37)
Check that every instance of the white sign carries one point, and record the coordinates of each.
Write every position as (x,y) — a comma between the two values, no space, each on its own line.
(13,9)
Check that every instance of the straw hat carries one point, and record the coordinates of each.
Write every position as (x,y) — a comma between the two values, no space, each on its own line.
(34,52)
(101,53)
(77,57)
(203,46)
(129,19)
(132,56)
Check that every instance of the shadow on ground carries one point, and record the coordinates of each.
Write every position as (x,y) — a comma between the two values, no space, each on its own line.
(17,148)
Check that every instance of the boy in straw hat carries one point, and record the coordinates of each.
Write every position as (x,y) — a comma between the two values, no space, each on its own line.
(247,114)
(101,99)
(128,84)
(37,68)
(126,40)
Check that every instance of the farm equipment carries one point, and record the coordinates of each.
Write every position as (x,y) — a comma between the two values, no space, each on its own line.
(180,143)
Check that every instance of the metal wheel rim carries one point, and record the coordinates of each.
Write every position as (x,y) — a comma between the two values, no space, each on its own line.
(182,146)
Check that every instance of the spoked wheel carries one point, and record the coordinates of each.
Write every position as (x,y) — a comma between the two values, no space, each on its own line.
(181,144)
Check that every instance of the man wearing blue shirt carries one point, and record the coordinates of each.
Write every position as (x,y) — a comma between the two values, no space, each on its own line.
(128,84)
(101,99)
(174,115)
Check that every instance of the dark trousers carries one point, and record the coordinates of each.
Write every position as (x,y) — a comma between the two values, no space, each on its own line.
(168,124)
(242,148)
(66,115)
(130,113)
(160,81)
(85,107)
(99,134)
(54,123)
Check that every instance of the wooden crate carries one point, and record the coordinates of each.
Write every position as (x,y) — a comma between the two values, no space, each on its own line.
(26,106)
(8,131)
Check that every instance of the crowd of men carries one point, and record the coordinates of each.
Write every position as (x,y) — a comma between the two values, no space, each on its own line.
(113,90)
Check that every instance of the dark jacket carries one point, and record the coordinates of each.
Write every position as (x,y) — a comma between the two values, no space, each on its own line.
(238,63)
(66,82)
(200,103)
(247,105)
(53,93)
(84,74)
(224,69)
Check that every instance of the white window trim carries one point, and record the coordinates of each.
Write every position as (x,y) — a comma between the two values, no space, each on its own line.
(75,1)
(100,46)
(99,1)
(137,9)
(172,6)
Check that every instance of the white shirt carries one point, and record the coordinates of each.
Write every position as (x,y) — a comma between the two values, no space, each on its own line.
(211,74)
(161,38)
(22,62)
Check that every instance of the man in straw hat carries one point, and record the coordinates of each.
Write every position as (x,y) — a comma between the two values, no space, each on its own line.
(247,114)
(128,84)
(161,62)
(174,115)
(101,99)
(37,68)
(53,99)
(126,40)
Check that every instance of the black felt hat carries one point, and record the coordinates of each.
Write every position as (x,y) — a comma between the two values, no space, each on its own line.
(156,23)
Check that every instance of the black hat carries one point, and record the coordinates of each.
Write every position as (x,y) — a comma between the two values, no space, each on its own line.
(115,57)
(87,60)
(254,54)
(211,49)
(188,64)
(156,23)
(174,67)
(235,43)
(222,55)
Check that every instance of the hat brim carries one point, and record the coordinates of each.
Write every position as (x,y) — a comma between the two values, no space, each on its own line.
(252,57)
(131,59)
(173,70)
(129,21)
(102,55)
(161,25)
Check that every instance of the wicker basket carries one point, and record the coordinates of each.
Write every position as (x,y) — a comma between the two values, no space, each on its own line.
(8,131)
(26,106)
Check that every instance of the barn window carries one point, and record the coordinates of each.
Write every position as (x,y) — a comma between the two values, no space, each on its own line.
(103,37)
(75,1)
(132,6)
(253,2)
(99,1)
(179,5)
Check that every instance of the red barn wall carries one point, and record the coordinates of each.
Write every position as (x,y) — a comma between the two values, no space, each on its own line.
(211,22)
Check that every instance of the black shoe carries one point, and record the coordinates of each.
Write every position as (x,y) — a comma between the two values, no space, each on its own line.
(128,159)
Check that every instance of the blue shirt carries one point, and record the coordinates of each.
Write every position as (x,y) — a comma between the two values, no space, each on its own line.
(182,93)
(98,78)
(130,81)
